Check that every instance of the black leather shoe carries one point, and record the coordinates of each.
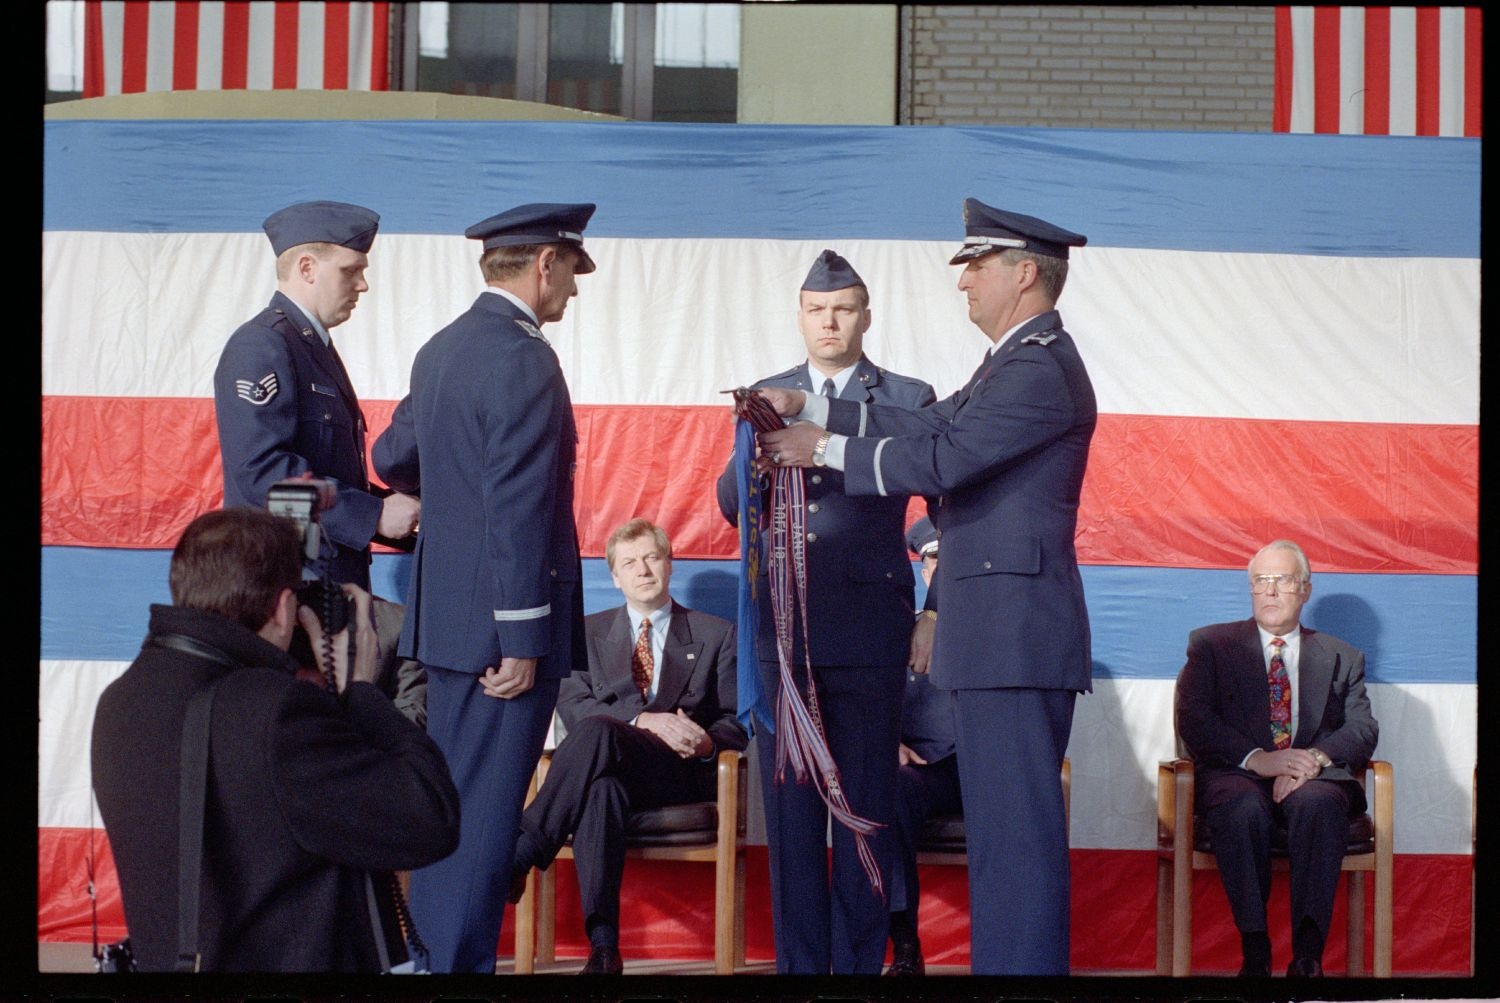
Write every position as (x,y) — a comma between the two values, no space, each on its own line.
(906,959)
(1255,970)
(1305,968)
(603,961)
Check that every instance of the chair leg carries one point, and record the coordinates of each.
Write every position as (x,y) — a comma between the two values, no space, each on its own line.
(546,914)
(1383,919)
(724,910)
(1182,915)
(1356,881)
(1163,917)
(526,928)
(739,909)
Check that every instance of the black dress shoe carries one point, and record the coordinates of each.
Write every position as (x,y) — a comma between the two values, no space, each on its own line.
(1305,968)
(1256,970)
(603,961)
(906,959)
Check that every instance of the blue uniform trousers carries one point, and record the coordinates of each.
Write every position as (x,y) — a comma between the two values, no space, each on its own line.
(492,747)
(1011,744)
(833,921)
(921,793)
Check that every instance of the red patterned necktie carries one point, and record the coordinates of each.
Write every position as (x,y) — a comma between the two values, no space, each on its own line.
(642,664)
(1281,696)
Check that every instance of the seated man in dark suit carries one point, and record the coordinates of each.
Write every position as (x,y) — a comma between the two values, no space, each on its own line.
(1276,719)
(645,723)
(927,784)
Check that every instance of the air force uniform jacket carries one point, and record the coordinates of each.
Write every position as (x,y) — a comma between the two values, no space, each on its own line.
(860,593)
(285,407)
(486,436)
(1005,457)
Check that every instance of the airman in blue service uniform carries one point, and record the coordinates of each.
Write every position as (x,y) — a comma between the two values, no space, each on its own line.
(1005,456)
(283,401)
(860,605)
(495,610)
(927,782)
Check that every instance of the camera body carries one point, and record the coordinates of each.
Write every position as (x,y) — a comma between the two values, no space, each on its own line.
(301,500)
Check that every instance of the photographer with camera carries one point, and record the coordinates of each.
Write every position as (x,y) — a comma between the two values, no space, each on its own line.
(308,798)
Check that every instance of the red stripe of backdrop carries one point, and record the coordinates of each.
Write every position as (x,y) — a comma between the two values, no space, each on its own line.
(336,47)
(1160,491)
(284,67)
(185,47)
(1378,71)
(1326,58)
(1429,71)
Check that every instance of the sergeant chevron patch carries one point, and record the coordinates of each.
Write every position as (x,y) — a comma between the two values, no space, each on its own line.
(259,392)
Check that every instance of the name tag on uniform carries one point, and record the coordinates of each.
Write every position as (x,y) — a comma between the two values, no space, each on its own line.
(330,391)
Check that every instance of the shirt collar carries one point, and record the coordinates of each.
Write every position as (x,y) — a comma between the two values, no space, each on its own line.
(516,300)
(840,379)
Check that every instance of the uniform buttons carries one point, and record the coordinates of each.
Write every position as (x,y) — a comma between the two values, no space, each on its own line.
(986,565)
(327,416)
(889,575)
(812,537)
(817,478)
(812,506)
(554,572)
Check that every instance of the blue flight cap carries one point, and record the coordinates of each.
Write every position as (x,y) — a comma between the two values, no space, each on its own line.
(829,273)
(538,223)
(989,229)
(351,226)
(922,538)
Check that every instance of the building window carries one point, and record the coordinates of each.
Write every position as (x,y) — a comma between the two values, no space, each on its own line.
(64,50)
(672,62)
(468,48)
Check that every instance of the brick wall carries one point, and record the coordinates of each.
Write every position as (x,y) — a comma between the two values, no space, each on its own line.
(1184,68)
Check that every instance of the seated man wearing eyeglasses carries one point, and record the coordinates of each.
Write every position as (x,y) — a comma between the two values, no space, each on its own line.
(1275,717)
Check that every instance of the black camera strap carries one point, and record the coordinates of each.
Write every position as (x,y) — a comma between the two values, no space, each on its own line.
(192,794)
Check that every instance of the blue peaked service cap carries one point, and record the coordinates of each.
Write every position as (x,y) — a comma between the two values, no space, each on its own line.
(351,226)
(829,273)
(989,229)
(538,223)
(922,538)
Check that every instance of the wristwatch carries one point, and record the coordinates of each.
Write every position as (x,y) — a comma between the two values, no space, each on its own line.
(1321,757)
(820,448)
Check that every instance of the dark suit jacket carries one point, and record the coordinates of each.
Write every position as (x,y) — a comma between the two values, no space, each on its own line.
(486,437)
(1005,458)
(307,792)
(295,413)
(696,674)
(860,591)
(1223,701)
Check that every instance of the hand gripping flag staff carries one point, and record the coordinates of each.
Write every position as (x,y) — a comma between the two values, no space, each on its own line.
(798,726)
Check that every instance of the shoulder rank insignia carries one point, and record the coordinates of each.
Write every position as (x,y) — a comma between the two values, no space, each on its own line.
(258,392)
(1040,338)
(532,330)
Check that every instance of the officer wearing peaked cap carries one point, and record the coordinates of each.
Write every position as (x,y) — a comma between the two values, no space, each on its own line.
(860,596)
(282,398)
(495,608)
(1006,457)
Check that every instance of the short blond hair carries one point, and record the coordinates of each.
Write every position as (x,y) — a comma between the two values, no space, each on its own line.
(284,261)
(632,530)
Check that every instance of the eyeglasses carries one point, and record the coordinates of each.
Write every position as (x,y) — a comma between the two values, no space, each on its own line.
(1261,584)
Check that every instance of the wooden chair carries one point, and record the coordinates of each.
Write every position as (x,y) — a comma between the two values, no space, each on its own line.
(708,831)
(1182,847)
(943,840)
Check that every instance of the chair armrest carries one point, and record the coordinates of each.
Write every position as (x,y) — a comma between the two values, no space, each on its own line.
(1174,803)
(1383,804)
(731,804)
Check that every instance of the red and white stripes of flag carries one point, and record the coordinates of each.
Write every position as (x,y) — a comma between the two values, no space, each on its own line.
(1398,71)
(132,46)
